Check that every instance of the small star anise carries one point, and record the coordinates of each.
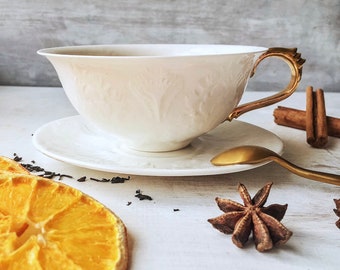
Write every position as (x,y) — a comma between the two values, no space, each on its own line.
(337,211)
(241,220)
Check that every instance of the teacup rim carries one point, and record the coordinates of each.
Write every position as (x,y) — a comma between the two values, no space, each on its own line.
(66,51)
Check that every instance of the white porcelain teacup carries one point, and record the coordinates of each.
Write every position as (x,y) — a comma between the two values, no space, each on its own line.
(161,97)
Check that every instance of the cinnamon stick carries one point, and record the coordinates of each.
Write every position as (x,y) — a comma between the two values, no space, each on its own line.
(294,118)
(310,131)
(320,123)
(316,122)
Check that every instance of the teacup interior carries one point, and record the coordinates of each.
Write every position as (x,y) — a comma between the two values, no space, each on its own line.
(151,50)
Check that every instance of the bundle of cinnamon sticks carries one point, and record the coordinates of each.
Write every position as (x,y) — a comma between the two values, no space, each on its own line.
(314,120)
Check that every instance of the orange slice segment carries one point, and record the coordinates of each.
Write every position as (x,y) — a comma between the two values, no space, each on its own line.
(47,225)
(7,243)
(52,257)
(15,194)
(5,223)
(23,257)
(49,198)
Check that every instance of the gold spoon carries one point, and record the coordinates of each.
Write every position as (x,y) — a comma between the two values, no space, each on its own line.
(250,154)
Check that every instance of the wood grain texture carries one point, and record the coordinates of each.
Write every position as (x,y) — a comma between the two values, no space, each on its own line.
(312,26)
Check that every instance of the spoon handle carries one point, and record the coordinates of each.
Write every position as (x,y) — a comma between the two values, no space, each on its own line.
(310,174)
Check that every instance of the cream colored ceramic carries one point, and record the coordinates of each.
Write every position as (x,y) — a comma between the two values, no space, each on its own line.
(161,97)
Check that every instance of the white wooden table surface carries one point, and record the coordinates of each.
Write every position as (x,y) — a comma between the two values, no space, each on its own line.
(161,238)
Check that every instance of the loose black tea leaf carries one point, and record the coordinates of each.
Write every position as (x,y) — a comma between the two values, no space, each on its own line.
(16,157)
(118,179)
(82,179)
(113,180)
(103,180)
(61,176)
(32,168)
(141,196)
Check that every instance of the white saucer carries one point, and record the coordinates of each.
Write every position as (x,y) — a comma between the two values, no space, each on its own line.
(71,140)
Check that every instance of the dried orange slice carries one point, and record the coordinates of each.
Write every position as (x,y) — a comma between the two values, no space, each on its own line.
(9,165)
(48,225)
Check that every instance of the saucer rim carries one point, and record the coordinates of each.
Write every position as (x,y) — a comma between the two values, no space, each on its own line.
(194,171)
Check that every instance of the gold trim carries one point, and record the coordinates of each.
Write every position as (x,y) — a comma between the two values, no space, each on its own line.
(294,61)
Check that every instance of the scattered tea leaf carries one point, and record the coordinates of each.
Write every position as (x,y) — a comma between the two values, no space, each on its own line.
(82,179)
(141,196)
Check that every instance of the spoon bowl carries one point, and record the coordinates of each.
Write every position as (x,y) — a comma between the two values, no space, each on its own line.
(251,154)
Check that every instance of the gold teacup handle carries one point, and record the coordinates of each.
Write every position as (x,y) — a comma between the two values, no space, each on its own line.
(295,62)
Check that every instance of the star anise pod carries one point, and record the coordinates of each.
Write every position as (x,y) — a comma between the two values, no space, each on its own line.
(337,211)
(263,222)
